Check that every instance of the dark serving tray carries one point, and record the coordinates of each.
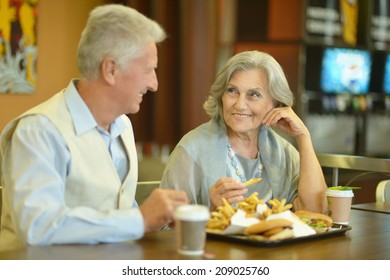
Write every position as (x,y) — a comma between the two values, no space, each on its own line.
(337,229)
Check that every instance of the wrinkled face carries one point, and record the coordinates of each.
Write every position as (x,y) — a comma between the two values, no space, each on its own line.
(246,101)
(137,79)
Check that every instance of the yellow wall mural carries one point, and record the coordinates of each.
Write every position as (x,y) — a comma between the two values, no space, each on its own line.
(18,46)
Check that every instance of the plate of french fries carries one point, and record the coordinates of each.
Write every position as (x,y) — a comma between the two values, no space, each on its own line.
(263,223)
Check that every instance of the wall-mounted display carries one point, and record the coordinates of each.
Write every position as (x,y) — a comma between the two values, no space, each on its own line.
(386,75)
(345,71)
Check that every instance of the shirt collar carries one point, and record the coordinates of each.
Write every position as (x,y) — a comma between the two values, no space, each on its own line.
(83,119)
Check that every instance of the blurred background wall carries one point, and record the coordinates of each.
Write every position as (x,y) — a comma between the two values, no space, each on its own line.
(58,30)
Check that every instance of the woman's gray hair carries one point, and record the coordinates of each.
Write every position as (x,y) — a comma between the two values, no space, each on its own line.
(115,31)
(244,61)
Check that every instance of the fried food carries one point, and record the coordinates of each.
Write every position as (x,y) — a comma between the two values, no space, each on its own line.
(279,206)
(252,181)
(264,226)
(250,203)
(220,219)
(266,229)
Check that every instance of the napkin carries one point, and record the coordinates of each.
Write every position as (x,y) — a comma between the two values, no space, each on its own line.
(299,227)
(239,222)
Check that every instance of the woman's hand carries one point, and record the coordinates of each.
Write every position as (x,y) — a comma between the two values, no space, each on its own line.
(232,190)
(312,184)
(286,120)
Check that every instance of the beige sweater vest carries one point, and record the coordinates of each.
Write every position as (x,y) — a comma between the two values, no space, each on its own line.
(93,180)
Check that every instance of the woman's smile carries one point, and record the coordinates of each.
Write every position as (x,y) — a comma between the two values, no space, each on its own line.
(241,116)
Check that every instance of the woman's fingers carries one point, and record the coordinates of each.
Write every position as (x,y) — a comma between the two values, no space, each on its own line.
(230,189)
(286,120)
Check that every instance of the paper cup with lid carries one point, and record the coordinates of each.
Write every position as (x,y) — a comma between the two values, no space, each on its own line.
(339,205)
(190,224)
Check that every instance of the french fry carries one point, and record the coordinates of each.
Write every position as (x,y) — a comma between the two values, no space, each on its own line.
(252,181)
(217,224)
(274,203)
(220,219)
(253,198)
(226,212)
(287,207)
(279,206)
(249,204)
(217,215)
(228,207)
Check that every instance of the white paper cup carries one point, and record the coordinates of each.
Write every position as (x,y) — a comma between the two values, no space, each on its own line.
(190,228)
(339,205)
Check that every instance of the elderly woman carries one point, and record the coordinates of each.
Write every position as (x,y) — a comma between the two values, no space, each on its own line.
(249,98)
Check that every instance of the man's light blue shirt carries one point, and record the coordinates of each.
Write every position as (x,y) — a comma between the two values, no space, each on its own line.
(84,121)
(37,140)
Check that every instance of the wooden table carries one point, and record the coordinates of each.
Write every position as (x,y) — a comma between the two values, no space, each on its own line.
(380,207)
(368,239)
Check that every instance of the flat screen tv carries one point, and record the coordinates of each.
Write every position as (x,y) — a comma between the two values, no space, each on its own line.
(386,75)
(345,70)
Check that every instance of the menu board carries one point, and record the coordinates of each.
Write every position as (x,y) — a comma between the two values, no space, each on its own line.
(332,21)
(380,24)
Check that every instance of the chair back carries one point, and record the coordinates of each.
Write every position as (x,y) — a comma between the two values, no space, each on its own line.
(337,162)
(144,189)
(382,192)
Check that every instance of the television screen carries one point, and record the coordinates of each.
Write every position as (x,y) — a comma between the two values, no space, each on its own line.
(386,75)
(345,71)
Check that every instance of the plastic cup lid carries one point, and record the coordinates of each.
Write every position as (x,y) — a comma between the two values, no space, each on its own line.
(192,212)
(339,193)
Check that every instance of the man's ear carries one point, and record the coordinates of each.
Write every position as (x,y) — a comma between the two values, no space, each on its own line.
(108,69)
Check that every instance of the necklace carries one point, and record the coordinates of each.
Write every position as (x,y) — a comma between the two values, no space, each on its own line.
(235,165)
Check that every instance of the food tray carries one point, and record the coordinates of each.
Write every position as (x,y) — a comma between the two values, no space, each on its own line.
(337,229)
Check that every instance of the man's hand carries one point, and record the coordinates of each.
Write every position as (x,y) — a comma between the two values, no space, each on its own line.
(159,208)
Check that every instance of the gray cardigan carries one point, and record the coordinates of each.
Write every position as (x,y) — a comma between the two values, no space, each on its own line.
(200,158)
